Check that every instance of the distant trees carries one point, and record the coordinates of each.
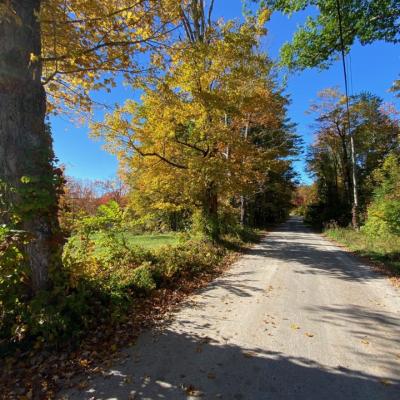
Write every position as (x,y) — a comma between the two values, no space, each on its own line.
(83,197)
(303,197)
(376,135)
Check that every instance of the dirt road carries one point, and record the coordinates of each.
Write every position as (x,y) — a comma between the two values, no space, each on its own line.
(296,318)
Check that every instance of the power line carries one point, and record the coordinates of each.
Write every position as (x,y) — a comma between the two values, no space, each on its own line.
(352,147)
(350,73)
(344,64)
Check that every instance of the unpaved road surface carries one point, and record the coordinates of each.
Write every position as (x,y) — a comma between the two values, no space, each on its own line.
(295,318)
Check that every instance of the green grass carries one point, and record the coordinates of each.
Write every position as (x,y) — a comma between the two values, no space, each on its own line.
(147,241)
(152,241)
(380,249)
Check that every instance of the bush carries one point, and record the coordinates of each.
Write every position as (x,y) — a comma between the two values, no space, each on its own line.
(204,227)
(141,278)
(383,218)
(384,211)
(191,257)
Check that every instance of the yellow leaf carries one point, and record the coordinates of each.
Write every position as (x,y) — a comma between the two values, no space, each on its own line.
(33,58)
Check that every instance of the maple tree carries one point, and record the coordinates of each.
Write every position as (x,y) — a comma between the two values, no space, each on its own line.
(187,140)
(87,45)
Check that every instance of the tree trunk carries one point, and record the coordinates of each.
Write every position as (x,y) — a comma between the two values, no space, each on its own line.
(210,211)
(242,210)
(25,144)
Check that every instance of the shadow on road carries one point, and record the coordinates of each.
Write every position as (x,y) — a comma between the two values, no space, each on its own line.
(176,366)
(293,242)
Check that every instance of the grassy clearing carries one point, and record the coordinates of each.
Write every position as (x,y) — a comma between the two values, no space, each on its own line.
(151,241)
(384,250)
(145,241)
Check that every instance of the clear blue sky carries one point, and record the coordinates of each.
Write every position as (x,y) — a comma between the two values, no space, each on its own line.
(373,68)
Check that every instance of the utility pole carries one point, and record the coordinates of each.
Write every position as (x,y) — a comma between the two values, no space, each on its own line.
(354,211)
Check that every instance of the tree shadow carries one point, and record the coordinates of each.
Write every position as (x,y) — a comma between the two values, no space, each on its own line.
(176,366)
(364,323)
(295,243)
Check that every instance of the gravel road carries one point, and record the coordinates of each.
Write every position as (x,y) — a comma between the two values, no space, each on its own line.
(295,318)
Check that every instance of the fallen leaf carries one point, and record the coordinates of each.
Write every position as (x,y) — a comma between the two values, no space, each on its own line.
(309,334)
(294,326)
(385,381)
(210,375)
(364,342)
(84,362)
(192,391)
(249,354)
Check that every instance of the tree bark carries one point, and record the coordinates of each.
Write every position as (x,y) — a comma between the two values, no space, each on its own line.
(242,210)
(210,211)
(26,156)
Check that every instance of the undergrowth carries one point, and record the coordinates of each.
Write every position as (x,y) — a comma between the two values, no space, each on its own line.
(101,278)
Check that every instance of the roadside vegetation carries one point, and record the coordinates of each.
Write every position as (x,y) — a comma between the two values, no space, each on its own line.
(379,238)
(383,249)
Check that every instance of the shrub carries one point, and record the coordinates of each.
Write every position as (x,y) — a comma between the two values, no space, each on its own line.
(191,257)
(384,211)
(141,278)
(383,218)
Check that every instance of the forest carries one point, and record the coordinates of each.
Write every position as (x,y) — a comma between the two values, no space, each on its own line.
(206,153)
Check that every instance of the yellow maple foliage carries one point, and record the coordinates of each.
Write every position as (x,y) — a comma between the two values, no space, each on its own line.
(186,141)
(87,44)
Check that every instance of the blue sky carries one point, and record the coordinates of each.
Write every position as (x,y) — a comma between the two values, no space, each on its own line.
(373,68)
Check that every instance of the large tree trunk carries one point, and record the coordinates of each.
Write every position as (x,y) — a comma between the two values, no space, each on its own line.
(25,144)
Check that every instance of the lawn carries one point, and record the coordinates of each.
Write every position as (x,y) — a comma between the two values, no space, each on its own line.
(151,241)
(385,249)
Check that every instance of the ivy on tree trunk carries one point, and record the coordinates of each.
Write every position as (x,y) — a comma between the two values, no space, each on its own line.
(26,155)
